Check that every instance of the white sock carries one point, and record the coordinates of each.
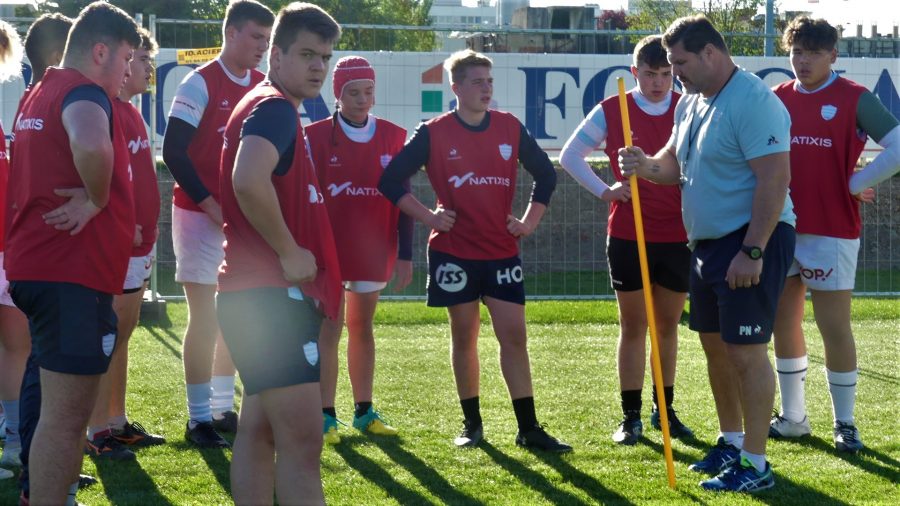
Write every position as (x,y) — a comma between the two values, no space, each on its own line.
(11,410)
(758,461)
(222,395)
(93,431)
(792,383)
(843,394)
(198,397)
(735,439)
(70,499)
(118,422)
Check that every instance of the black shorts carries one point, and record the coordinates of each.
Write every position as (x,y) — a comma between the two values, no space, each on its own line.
(668,263)
(272,336)
(453,280)
(73,327)
(743,315)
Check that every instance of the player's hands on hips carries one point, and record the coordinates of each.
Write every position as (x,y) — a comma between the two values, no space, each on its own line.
(74,214)
(621,191)
(402,274)
(866,196)
(212,209)
(518,228)
(631,160)
(138,235)
(298,265)
(442,219)
(743,272)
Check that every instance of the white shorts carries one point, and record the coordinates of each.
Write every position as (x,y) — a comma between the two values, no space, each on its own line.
(199,247)
(364,286)
(5,298)
(138,271)
(825,263)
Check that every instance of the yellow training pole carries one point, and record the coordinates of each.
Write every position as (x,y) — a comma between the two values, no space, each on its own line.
(648,295)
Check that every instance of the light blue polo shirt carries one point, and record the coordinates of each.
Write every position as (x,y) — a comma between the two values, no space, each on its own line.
(746,121)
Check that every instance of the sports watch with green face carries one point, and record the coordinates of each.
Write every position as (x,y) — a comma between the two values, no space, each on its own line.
(754,252)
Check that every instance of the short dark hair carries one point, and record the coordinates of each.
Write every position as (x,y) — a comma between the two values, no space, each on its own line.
(299,16)
(695,32)
(458,63)
(649,50)
(102,23)
(46,36)
(812,34)
(148,43)
(241,11)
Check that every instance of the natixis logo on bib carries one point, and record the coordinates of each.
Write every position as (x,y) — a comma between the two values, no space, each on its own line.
(314,196)
(505,151)
(450,277)
(828,112)
(311,352)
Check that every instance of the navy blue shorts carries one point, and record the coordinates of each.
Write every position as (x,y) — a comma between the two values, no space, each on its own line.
(742,315)
(669,264)
(73,327)
(273,336)
(453,280)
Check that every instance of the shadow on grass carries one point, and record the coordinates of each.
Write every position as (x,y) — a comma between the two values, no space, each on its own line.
(216,461)
(126,482)
(868,373)
(164,336)
(578,478)
(869,460)
(785,493)
(378,476)
(677,454)
(528,477)
(427,476)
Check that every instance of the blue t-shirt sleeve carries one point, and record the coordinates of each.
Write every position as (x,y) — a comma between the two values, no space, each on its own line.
(91,93)
(275,120)
(764,125)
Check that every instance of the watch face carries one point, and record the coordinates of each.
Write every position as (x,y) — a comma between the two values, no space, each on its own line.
(755,253)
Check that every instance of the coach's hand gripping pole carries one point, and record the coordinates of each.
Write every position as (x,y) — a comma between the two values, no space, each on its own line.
(648,295)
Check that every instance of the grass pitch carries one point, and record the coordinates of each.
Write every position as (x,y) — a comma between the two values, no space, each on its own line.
(572,348)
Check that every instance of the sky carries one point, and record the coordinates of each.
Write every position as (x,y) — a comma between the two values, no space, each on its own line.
(884,13)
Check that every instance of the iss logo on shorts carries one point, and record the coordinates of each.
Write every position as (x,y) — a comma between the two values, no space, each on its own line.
(311,351)
(450,277)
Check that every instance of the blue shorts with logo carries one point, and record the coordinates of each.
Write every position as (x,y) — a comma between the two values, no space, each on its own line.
(453,280)
(742,315)
(273,336)
(73,327)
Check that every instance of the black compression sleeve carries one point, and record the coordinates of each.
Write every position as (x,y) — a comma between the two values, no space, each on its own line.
(179,134)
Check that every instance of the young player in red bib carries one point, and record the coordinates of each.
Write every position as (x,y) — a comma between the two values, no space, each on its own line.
(280,275)
(191,149)
(651,106)
(350,151)
(831,118)
(472,156)
(14,336)
(70,234)
(109,428)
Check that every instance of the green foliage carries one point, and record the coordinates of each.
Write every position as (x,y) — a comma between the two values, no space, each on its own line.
(728,16)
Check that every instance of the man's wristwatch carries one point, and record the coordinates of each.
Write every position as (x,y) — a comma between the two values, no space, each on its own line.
(754,252)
